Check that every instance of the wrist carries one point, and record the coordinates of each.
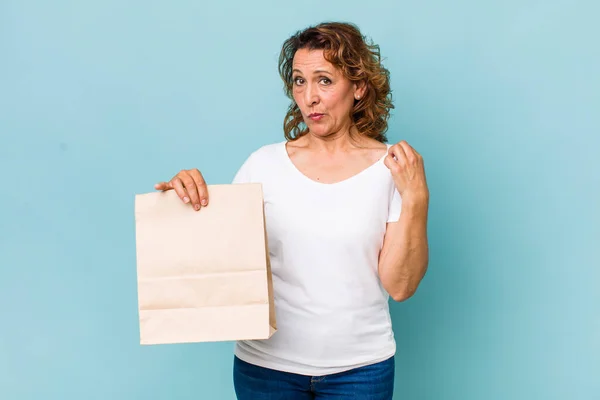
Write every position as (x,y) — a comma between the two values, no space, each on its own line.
(415,200)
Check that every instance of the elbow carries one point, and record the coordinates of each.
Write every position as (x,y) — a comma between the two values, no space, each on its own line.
(400,291)
(404,287)
(403,290)
(402,294)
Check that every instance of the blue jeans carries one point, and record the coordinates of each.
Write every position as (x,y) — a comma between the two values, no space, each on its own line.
(372,382)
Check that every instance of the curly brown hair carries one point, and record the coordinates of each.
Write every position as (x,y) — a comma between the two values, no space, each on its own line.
(359,60)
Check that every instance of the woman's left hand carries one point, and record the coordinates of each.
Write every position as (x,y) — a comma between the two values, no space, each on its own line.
(408,172)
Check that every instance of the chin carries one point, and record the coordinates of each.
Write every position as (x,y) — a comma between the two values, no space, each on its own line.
(320,131)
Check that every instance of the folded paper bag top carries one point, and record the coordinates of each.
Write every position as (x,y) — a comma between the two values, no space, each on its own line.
(203,276)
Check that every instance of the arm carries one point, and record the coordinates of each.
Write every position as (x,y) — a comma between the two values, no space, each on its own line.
(404,257)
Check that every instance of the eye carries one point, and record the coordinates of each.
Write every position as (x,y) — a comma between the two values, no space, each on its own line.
(325,81)
(298,81)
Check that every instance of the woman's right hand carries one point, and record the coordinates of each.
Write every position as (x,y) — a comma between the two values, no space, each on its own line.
(190,187)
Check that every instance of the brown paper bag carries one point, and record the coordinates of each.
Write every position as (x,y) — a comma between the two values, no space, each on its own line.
(203,275)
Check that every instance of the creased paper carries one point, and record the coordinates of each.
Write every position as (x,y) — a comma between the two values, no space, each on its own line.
(203,275)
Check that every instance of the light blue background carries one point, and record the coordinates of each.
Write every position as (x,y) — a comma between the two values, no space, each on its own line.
(101,99)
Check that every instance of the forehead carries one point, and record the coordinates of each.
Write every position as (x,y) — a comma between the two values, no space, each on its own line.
(306,60)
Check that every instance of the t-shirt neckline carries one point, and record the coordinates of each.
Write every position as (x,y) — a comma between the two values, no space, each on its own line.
(289,161)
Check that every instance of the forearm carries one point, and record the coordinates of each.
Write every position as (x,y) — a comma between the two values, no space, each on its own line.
(405,254)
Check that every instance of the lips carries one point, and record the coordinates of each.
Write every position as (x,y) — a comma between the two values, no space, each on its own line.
(315,116)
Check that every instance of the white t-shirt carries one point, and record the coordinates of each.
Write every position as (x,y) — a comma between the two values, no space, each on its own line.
(324,243)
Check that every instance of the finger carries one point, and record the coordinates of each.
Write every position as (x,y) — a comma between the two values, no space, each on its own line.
(410,153)
(200,186)
(179,189)
(399,155)
(190,188)
(388,161)
(163,186)
(392,164)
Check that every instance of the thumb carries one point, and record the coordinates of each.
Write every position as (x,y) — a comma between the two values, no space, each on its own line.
(389,161)
(163,186)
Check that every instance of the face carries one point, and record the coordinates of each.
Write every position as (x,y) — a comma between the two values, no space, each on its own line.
(324,96)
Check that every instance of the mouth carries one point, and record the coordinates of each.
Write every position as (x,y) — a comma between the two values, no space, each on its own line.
(315,116)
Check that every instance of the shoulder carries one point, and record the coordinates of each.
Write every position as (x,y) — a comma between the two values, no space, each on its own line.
(265,157)
(266,154)
(373,144)
(257,163)
(268,150)
(373,150)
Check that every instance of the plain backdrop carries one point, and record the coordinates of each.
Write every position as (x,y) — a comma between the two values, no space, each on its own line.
(101,99)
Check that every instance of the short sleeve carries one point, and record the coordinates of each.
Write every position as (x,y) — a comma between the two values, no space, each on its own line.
(244,173)
(395,206)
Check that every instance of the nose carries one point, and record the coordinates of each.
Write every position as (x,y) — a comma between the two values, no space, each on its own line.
(311,95)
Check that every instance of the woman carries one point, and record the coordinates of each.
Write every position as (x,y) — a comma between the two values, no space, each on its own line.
(346,222)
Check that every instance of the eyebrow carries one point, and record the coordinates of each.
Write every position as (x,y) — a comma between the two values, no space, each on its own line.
(319,71)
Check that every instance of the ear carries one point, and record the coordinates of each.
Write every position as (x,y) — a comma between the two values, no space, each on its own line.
(359,90)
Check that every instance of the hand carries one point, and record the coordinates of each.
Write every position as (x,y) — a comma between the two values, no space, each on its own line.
(189,186)
(408,172)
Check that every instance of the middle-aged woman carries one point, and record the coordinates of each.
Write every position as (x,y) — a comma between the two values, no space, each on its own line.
(346,218)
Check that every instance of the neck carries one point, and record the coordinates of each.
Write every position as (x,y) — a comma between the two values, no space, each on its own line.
(337,142)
